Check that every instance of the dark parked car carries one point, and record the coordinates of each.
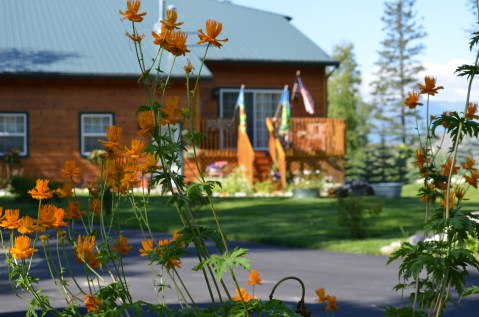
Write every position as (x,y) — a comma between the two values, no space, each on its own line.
(351,188)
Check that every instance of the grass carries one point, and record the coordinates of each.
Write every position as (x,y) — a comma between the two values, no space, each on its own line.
(305,223)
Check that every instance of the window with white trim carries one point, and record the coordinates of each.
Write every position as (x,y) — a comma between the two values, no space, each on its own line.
(93,127)
(14,133)
(259,104)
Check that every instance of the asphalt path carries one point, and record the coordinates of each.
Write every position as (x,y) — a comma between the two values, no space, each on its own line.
(362,284)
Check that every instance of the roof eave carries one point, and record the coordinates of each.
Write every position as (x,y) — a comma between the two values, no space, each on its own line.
(47,75)
(334,63)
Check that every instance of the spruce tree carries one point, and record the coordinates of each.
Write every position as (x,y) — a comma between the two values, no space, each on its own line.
(345,102)
(398,68)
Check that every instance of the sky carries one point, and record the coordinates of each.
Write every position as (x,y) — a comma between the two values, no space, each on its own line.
(335,22)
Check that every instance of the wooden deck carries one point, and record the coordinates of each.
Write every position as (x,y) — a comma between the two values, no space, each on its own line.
(314,144)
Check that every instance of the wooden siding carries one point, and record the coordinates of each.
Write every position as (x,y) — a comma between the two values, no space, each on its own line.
(264,76)
(54,107)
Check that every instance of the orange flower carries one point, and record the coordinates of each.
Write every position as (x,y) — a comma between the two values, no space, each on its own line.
(146,121)
(133,6)
(41,190)
(85,253)
(162,38)
(170,23)
(254,278)
(332,303)
(177,43)
(170,111)
(412,100)
(73,210)
(22,249)
(468,164)
(460,193)
(428,194)
(136,147)
(213,29)
(449,202)
(188,67)
(92,303)
(10,220)
(446,168)
(95,206)
(93,190)
(70,169)
(135,37)
(113,134)
(50,216)
(429,86)
(150,164)
(147,247)
(176,235)
(322,297)
(121,245)
(472,180)
(66,191)
(43,237)
(1,212)
(130,177)
(420,158)
(244,294)
(471,111)
(26,225)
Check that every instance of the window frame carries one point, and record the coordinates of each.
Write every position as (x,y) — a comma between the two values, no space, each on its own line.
(81,133)
(255,106)
(25,134)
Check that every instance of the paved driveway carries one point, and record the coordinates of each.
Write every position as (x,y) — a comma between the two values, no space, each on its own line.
(362,283)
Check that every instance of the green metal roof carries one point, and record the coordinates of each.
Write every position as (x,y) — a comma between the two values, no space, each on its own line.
(86,37)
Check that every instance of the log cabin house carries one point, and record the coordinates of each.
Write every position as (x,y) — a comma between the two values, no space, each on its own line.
(67,71)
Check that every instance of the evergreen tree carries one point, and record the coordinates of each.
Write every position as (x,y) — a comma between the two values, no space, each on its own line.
(344,101)
(398,67)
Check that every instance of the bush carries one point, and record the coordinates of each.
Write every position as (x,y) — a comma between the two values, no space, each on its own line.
(355,213)
(236,182)
(266,187)
(19,186)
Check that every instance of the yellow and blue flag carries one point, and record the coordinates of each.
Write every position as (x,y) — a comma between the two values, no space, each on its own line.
(286,112)
(242,112)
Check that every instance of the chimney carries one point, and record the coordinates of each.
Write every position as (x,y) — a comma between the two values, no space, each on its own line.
(161,16)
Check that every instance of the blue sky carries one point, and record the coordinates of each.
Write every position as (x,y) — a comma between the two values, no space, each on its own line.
(331,22)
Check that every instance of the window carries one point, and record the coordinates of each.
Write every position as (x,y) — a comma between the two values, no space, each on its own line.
(93,127)
(14,133)
(259,104)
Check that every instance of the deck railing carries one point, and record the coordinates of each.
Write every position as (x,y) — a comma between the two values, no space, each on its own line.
(219,134)
(316,138)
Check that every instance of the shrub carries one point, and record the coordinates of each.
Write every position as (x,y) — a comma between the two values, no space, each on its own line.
(355,213)
(236,182)
(19,186)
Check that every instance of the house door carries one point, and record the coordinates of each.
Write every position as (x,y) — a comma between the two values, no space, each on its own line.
(259,104)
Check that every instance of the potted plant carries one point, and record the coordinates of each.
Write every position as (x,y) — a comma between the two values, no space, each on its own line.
(307,184)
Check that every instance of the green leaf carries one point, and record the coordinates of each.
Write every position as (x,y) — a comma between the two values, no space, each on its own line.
(467,70)
(470,291)
(226,262)
(474,40)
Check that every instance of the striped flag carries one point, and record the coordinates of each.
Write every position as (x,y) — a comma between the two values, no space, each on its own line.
(307,99)
(286,112)
(242,112)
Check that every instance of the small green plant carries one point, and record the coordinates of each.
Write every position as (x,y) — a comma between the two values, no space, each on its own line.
(266,187)
(355,213)
(236,182)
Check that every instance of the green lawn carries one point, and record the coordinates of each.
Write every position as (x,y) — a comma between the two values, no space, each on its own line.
(308,223)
